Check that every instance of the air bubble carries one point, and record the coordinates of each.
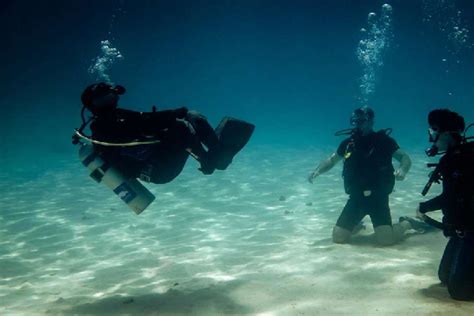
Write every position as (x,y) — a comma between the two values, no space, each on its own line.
(449,20)
(102,64)
(376,40)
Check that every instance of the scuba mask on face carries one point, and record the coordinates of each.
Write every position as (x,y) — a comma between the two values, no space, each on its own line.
(358,118)
(105,88)
(96,95)
(433,133)
(105,97)
(362,118)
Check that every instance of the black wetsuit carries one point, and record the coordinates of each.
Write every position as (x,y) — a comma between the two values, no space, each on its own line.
(367,167)
(177,130)
(456,269)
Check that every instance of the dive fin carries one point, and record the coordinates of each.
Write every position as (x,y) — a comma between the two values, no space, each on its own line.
(233,135)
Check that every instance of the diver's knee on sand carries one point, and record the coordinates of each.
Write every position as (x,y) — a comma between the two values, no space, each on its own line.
(399,230)
(461,290)
(385,235)
(340,235)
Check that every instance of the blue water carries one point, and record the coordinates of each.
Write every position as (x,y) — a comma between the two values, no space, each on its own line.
(289,67)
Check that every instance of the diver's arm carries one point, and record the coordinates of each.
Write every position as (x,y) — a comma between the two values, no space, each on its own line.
(324,166)
(434,204)
(405,164)
(159,120)
(150,124)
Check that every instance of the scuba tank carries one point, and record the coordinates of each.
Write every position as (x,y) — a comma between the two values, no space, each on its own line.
(131,191)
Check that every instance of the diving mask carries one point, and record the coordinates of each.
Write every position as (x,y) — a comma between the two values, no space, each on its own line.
(433,133)
(359,117)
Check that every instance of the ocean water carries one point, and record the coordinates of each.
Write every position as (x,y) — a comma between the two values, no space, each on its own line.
(254,239)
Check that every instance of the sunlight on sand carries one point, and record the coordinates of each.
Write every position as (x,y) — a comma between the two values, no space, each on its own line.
(255,239)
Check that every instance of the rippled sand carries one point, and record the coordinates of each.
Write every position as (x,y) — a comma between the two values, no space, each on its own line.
(252,240)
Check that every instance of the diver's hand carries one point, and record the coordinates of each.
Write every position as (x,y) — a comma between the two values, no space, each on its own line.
(419,214)
(313,175)
(399,175)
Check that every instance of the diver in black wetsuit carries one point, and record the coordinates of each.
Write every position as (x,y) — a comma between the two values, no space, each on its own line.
(456,170)
(369,178)
(157,144)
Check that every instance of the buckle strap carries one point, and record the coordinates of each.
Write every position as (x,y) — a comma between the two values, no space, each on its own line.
(145,174)
(460,233)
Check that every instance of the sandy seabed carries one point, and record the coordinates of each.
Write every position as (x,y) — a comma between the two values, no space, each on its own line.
(254,239)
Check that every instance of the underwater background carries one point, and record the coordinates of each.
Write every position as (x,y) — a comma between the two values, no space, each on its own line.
(254,239)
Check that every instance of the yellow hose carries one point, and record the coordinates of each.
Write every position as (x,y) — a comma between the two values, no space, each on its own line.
(97,142)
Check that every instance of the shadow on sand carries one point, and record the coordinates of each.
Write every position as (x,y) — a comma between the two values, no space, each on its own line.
(356,240)
(213,300)
(437,291)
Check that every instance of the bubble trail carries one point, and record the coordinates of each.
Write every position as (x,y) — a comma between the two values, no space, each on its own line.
(376,39)
(102,63)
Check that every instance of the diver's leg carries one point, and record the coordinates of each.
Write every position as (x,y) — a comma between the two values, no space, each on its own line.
(204,134)
(166,165)
(223,143)
(351,216)
(461,277)
(385,233)
(341,235)
(204,130)
(446,261)
(397,232)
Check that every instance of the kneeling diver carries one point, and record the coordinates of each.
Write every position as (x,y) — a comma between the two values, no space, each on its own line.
(150,146)
(369,178)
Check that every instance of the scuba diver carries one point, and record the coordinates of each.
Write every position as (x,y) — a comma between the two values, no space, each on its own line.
(369,178)
(455,169)
(150,146)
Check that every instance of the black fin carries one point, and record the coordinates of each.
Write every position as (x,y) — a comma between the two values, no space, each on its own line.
(233,135)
